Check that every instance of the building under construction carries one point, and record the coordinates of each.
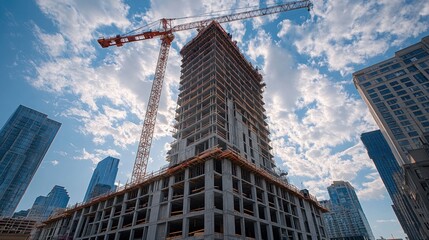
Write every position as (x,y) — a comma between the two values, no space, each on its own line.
(221,182)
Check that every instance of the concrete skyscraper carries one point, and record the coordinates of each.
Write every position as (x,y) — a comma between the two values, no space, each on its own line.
(221,182)
(43,206)
(345,219)
(392,175)
(103,178)
(24,141)
(397,94)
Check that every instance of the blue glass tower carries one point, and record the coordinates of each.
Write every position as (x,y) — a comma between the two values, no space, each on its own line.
(392,175)
(43,207)
(24,141)
(103,178)
(346,218)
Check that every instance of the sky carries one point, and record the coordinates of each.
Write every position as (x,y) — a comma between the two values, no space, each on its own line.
(50,61)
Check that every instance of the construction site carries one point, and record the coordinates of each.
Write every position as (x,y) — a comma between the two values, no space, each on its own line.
(221,182)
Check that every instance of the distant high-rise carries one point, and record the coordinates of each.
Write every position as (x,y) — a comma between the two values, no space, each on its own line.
(24,141)
(345,219)
(103,178)
(43,207)
(392,175)
(397,94)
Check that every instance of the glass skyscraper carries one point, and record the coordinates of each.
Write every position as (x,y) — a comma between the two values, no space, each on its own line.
(345,219)
(397,94)
(43,207)
(103,178)
(24,141)
(392,175)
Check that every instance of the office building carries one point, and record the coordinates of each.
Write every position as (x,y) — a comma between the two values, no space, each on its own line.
(103,178)
(221,182)
(24,141)
(345,219)
(392,175)
(396,92)
(45,206)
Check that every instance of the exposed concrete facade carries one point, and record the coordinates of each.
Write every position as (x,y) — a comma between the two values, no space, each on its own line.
(220,102)
(220,183)
(214,196)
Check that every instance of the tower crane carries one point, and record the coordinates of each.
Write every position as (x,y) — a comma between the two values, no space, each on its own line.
(166,36)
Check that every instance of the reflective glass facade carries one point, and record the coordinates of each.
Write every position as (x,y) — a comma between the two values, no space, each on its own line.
(103,178)
(24,141)
(345,218)
(392,175)
(43,207)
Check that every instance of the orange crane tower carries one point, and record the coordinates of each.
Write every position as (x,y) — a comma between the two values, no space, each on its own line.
(166,36)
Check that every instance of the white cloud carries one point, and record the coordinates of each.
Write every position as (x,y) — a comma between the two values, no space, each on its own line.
(315,123)
(374,189)
(55,162)
(284,25)
(97,155)
(78,20)
(343,33)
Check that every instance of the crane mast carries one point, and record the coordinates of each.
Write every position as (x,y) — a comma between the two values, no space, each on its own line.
(166,35)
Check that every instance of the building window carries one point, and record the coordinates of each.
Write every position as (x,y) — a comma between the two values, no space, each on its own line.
(393,83)
(385,91)
(405,123)
(374,95)
(412,68)
(393,101)
(405,80)
(402,92)
(413,89)
(394,106)
(388,96)
(402,117)
(409,102)
(413,134)
(422,118)
(409,84)
(367,84)
(398,112)
(405,98)
(423,99)
(418,113)
(415,107)
(403,143)
(396,88)
(420,78)
(382,87)
(418,94)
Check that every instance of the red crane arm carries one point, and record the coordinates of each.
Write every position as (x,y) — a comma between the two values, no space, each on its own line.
(245,15)
(167,29)
(120,40)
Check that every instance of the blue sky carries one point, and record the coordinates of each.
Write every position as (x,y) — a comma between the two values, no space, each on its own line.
(51,62)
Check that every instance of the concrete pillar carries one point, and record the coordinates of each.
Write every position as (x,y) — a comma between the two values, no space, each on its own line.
(209,198)
(228,200)
(154,210)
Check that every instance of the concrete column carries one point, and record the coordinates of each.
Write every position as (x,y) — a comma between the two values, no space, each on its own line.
(185,228)
(209,199)
(154,210)
(228,200)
